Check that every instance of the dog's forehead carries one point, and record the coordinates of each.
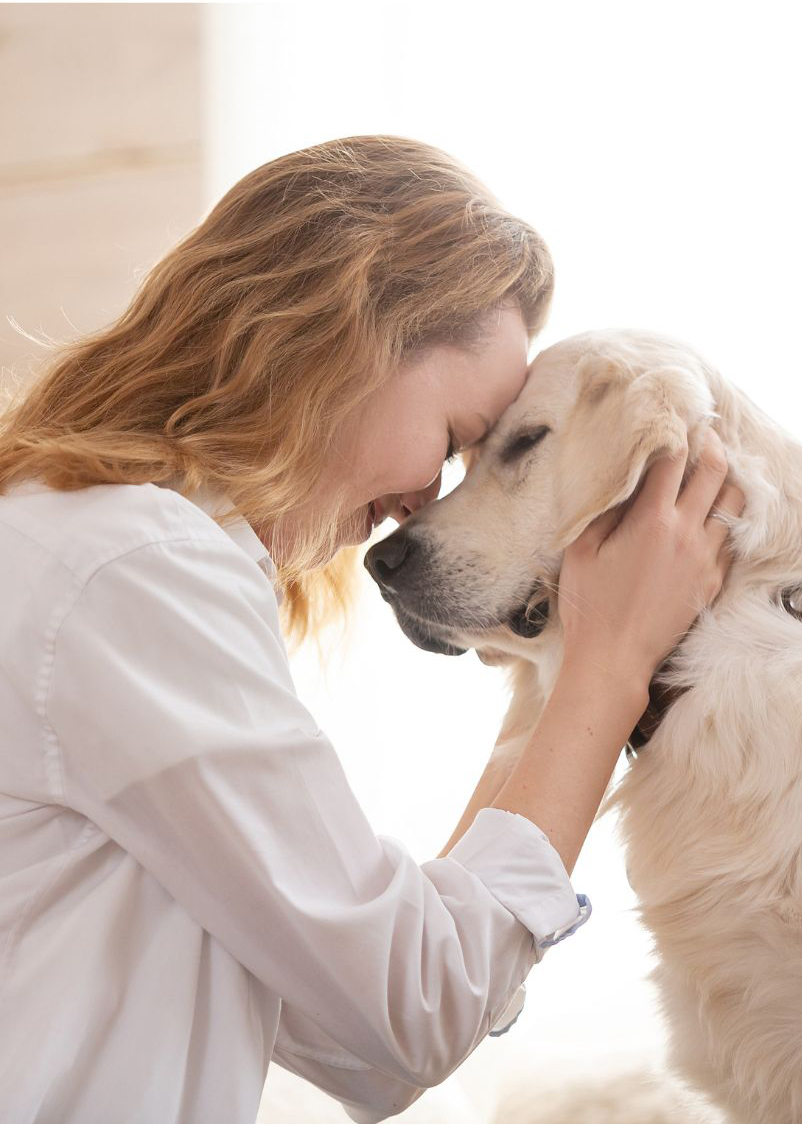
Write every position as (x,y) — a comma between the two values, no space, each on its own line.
(551,383)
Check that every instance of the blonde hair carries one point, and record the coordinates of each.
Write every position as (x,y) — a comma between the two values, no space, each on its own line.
(301,292)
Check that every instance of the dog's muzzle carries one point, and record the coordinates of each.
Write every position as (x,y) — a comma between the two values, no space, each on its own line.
(402,565)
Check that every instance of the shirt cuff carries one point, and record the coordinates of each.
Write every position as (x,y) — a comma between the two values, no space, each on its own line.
(519,866)
(509,1016)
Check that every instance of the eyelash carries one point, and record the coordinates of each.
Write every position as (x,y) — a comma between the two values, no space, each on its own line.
(452,451)
(524,443)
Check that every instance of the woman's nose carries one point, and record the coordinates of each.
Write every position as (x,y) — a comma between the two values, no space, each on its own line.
(403,504)
(411,502)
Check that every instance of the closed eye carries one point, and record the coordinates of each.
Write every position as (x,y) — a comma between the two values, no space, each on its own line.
(522,443)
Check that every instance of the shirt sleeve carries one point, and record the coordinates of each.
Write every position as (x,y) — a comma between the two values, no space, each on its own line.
(366,1094)
(171,721)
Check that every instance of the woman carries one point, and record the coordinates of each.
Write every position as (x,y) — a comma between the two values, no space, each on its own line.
(189,886)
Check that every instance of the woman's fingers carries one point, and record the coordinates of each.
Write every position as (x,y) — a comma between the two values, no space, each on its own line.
(704,485)
(602,526)
(662,483)
(705,499)
(729,505)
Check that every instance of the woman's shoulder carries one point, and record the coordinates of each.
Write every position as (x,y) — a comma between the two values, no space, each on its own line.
(142,542)
(84,528)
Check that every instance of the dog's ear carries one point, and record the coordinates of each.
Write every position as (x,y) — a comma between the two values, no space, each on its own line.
(621,423)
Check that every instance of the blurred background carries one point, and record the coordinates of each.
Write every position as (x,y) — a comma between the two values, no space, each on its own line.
(650,144)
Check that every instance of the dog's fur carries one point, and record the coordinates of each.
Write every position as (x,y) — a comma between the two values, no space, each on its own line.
(711,809)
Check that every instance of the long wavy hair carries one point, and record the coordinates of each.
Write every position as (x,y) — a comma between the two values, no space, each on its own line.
(305,288)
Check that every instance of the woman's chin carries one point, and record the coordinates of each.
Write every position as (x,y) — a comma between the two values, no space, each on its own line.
(349,538)
(352,531)
(356,529)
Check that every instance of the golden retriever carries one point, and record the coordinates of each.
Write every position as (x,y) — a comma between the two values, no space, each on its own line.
(711,807)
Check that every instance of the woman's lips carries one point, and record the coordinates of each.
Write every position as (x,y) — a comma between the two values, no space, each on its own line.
(374,515)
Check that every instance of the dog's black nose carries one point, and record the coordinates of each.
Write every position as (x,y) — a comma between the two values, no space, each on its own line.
(384,560)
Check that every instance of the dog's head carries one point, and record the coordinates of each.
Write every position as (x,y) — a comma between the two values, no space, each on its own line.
(479,568)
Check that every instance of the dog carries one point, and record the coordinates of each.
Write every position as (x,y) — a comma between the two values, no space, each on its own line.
(711,805)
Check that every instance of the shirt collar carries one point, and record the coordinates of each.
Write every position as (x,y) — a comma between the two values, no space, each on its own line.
(215,503)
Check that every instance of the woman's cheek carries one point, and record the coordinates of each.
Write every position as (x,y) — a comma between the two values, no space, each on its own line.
(410,467)
(428,472)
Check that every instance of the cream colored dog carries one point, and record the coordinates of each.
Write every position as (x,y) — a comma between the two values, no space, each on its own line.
(711,809)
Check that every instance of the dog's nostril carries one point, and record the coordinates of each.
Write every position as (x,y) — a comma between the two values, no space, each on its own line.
(384,560)
(382,570)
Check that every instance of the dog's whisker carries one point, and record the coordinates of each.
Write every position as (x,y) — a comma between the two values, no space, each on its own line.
(576,601)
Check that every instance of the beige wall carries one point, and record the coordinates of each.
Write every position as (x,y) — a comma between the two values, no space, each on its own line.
(100,159)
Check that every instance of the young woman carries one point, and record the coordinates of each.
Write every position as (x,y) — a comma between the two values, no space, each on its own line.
(188,886)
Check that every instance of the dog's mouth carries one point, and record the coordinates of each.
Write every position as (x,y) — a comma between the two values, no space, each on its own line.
(425,636)
(529,619)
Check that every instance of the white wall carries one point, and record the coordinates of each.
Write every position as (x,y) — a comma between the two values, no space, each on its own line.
(100,161)
(655,146)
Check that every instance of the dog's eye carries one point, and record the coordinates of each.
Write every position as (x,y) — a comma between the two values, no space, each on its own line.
(523,443)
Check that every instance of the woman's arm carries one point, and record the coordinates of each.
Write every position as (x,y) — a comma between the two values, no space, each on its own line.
(497,771)
(562,774)
(588,712)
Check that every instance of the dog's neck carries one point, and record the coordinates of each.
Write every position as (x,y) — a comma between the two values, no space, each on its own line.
(661,697)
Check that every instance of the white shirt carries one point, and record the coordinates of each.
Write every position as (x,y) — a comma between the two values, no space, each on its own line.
(188,885)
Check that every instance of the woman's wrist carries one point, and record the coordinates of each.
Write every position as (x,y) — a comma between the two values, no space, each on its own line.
(623,681)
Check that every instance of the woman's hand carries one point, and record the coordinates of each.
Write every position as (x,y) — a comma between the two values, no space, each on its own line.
(631,587)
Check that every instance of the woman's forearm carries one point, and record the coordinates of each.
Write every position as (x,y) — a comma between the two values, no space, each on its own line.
(559,778)
(563,771)
(497,771)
